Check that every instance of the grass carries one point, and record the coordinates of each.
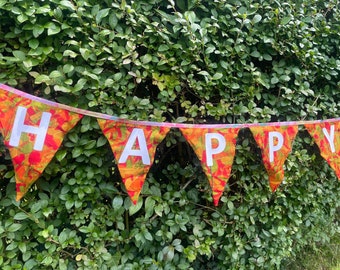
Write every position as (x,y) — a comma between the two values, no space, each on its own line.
(319,257)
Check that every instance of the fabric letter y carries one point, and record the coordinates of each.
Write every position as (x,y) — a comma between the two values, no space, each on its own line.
(327,137)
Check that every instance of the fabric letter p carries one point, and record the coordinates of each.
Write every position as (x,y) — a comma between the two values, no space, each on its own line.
(274,147)
(210,151)
(19,127)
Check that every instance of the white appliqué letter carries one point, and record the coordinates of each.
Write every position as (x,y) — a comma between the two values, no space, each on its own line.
(210,151)
(273,148)
(330,137)
(136,133)
(20,127)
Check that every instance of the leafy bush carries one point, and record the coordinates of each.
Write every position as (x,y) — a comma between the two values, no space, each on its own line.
(193,61)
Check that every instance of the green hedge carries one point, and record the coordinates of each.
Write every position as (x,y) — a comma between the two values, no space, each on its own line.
(181,61)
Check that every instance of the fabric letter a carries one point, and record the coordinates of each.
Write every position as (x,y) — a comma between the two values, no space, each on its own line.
(215,148)
(32,132)
(134,147)
(276,144)
(327,137)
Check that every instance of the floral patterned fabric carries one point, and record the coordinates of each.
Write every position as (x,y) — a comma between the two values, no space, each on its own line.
(327,137)
(134,148)
(276,144)
(33,130)
(29,161)
(215,148)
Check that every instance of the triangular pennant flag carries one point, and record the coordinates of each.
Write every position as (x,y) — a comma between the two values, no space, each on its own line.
(134,147)
(215,148)
(327,137)
(276,144)
(33,132)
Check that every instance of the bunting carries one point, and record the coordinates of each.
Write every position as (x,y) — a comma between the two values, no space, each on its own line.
(33,130)
(327,137)
(215,148)
(276,144)
(134,149)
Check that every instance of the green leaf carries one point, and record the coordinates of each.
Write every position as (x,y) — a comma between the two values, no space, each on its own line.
(68,68)
(134,208)
(85,53)
(61,154)
(62,88)
(255,54)
(113,21)
(148,236)
(204,73)
(149,207)
(224,64)
(256,18)
(102,14)
(144,102)
(217,76)
(52,29)
(37,30)
(101,141)
(47,260)
(117,202)
(19,55)
(190,16)
(274,80)
(47,50)
(285,20)
(76,152)
(55,74)
(117,76)
(146,58)
(235,86)
(20,216)
(285,78)
(27,64)
(181,119)
(80,84)
(42,79)
(267,57)
(33,43)
(14,227)
(22,247)
(62,237)
(70,53)
(73,137)
(67,4)
(163,48)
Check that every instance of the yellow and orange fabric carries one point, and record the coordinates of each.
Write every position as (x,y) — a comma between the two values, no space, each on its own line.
(215,148)
(33,132)
(275,143)
(33,129)
(327,137)
(134,149)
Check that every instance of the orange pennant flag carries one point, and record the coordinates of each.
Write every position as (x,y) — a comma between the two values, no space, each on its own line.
(134,148)
(215,148)
(33,132)
(327,137)
(276,144)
